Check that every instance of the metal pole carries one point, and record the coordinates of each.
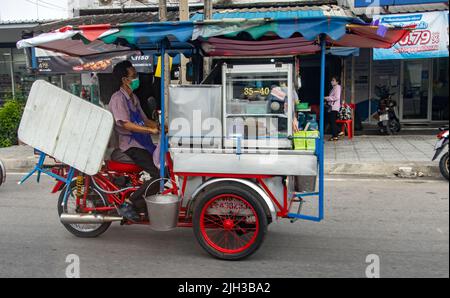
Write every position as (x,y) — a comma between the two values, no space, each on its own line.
(11,69)
(184,16)
(163,119)
(207,15)
(370,84)
(322,127)
(164,72)
(353,91)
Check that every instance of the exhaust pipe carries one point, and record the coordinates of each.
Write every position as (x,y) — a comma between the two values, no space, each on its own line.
(88,218)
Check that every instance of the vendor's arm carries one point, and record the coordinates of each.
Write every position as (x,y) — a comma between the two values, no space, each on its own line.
(148,123)
(119,109)
(130,126)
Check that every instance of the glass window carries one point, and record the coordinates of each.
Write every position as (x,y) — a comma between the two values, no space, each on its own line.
(22,79)
(256,105)
(415,89)
(440,89)
(5,55)
(361,83)
(5,80)
(18,55)
(72,83)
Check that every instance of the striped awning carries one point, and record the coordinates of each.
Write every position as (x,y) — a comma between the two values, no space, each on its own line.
(92,40)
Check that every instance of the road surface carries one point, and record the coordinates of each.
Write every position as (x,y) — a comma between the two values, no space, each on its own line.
(403,222)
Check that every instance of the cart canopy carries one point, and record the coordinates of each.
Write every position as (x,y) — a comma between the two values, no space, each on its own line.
(226,37)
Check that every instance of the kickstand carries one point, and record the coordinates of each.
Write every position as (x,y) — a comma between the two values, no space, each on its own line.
(300,207)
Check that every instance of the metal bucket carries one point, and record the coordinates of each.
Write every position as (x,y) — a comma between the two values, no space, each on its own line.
(305,183)
(163,211)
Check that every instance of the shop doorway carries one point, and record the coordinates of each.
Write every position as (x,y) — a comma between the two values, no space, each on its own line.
(415,95)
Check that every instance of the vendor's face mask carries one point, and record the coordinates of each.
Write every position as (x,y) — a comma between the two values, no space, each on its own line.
(135,84)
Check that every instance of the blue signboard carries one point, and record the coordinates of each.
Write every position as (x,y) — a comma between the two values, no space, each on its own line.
(367,3)
(429,39)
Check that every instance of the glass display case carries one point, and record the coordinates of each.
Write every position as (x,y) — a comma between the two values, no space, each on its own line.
(258,105)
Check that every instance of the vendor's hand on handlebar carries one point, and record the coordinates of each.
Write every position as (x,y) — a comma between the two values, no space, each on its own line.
(153,130)
(166,130)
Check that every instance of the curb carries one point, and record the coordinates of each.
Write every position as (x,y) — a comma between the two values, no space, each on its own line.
(420,169)
(19,165)
(423,169)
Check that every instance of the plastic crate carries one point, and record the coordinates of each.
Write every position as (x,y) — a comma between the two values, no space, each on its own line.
(302,106)
(306,143)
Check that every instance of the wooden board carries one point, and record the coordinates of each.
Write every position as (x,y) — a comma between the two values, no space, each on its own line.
(66,127)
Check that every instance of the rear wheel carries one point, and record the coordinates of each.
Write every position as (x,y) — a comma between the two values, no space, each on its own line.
(95,199)
(443,165)
(395,126)
(230,222)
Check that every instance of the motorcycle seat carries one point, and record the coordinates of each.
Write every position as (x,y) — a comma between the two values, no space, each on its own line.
(120,162)
(123,167)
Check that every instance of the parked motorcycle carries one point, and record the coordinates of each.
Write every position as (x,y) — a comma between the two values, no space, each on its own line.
(441,144)
(2,173)
(388,121)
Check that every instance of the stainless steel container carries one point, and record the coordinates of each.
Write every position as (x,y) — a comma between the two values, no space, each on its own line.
(163,212)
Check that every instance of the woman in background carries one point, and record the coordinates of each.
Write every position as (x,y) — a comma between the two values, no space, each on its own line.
(334,105)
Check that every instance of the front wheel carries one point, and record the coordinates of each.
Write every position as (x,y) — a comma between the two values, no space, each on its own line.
(2,173)
(95,199)
(229,222)
(443,166)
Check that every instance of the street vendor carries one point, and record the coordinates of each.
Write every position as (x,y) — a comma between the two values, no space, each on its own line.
(134,132)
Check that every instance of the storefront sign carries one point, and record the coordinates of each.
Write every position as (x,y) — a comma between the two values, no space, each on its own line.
(428,40)
(51,63)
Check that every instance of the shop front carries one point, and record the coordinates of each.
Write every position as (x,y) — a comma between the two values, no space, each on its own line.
(15,80)
(415,71)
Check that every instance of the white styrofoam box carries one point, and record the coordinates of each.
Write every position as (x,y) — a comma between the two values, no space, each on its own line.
(66,127)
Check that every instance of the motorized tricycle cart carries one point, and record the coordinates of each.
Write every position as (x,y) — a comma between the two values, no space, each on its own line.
(230,163)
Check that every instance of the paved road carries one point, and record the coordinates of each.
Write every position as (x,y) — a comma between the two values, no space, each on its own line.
(404,222)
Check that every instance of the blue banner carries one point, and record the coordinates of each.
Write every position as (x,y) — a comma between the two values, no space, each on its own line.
(367,3)
(429,39)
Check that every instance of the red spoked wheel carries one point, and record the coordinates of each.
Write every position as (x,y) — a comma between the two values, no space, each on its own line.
(230,223)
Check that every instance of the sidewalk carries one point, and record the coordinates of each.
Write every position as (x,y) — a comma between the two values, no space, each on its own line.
(364,155)
(17,158)
(381,155)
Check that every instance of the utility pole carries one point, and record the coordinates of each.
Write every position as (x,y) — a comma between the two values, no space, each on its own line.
(207,15)
(37,10)
(184,16)
(208,7)
(165,73)
(163,10)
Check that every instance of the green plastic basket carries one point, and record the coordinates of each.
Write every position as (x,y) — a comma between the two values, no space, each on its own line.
(302,106)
